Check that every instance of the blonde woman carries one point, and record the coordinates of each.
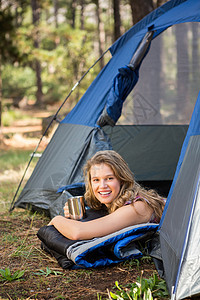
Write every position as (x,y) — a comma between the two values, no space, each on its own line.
(110,184)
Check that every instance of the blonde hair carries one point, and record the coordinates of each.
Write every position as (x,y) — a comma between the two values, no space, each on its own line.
(129,187)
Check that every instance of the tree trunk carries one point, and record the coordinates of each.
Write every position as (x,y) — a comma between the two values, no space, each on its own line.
(82,3)
(139,10)
(36,63)
(117,19)
(73,13)
(1,133)
(155,81)
(146,107)
(101,36)
(147,92)
(182,104)
(195,56)
(55,4)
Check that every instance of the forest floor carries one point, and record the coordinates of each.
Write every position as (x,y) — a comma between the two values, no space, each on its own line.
(25,133)
(41,276)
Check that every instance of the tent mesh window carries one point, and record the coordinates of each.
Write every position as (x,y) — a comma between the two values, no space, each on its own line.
(168,83)
(157,112)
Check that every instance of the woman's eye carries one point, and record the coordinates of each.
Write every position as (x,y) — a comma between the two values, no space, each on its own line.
(110,178)
(95,180)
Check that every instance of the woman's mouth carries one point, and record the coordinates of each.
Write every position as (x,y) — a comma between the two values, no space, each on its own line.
(105,193)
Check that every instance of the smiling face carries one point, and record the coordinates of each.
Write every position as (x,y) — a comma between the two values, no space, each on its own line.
(105,185)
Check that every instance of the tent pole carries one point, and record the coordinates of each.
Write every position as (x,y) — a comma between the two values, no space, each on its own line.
(54,118)
(173,295)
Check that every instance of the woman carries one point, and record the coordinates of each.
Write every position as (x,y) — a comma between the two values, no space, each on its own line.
(110,184)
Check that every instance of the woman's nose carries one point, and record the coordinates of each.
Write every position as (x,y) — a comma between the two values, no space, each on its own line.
(103,183)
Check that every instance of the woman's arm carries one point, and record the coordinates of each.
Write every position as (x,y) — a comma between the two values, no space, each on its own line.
(123,217)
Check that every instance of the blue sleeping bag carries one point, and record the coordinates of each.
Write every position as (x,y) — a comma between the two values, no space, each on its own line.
(112,248)
(124,244)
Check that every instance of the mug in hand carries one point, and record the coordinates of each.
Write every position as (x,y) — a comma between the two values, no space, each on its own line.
(76,207)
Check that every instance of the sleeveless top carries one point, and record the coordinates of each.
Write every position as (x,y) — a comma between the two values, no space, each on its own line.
(153,218)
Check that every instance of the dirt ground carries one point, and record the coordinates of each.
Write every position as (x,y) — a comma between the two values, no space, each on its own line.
(27,133)
(20,250)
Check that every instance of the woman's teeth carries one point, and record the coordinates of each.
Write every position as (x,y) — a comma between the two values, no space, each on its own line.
(104,193)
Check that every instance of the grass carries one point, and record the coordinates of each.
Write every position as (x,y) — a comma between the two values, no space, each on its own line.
(142,288)
(7,276)
(9,116)
(48,272)
(27,272)
(13,159)
(12,167)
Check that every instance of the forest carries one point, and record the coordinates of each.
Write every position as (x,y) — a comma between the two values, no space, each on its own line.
(47,46)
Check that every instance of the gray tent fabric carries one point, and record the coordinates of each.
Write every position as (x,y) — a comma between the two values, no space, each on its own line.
(56,206)
(73,143)
(179,237)
(157,157)
(189,283)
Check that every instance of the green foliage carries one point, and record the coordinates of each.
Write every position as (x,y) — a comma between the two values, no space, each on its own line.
(133,263)
(18,82)
(142,289)
(9,116)
(47,272)
(9,22)
(64,52)
(66,65)
(5,275)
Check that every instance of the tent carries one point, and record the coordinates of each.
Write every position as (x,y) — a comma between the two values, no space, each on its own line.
(181,218)
(148,130)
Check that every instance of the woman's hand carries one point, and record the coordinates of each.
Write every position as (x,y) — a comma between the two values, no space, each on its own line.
(66,211)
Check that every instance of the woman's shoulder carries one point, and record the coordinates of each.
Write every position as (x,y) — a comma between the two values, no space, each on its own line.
(137,198)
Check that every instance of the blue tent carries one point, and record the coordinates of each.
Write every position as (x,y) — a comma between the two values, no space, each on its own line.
(181,218)
(151,125)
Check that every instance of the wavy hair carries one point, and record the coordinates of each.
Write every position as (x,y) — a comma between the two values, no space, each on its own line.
(129,187)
